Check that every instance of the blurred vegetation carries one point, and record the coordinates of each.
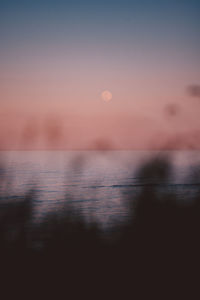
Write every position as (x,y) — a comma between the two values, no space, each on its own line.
(154,255)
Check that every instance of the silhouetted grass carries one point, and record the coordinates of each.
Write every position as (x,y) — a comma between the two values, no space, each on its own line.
(155,255)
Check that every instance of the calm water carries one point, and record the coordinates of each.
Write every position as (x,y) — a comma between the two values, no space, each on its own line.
(97,183)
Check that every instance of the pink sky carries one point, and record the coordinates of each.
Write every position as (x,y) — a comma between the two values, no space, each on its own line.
(50,86)
(44,111)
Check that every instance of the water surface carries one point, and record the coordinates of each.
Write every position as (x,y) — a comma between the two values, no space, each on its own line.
(98,183)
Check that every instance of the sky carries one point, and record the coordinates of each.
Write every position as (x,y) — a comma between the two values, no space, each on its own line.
(57,58)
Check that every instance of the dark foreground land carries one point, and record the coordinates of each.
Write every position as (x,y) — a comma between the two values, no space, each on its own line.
(156,255)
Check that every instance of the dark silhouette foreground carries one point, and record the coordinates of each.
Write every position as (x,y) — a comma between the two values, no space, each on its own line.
(155,255)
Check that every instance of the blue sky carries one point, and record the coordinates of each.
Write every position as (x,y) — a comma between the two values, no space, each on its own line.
(66,53)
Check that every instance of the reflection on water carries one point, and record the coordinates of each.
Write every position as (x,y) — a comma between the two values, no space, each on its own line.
(155,252)
(96,182)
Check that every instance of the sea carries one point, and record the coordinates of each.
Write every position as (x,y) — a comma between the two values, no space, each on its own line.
(97,184)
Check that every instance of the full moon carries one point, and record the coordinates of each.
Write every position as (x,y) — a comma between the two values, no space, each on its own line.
(106,96)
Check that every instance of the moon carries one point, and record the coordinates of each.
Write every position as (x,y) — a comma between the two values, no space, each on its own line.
(106,96)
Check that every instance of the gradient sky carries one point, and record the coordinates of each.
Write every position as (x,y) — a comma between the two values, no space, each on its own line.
(57,57)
